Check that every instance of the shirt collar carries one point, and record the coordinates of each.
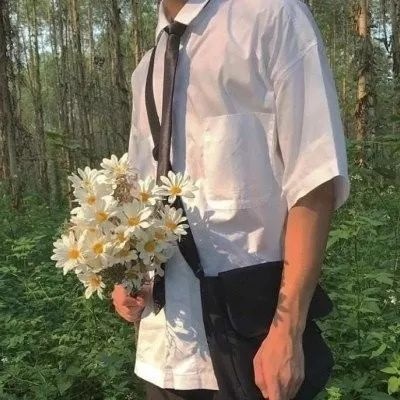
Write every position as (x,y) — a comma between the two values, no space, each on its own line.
(185,15)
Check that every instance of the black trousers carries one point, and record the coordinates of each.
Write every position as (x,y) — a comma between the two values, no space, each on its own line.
(233,349)
(238,307)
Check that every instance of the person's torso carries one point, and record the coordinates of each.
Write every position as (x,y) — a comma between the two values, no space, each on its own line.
(224,133)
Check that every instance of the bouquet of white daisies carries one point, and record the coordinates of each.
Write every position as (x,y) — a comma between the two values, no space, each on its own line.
(123,229)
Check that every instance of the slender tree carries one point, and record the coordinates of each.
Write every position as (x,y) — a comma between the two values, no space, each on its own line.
(365,57)
(395,19)
(121,105)
(80,86)
(8,118)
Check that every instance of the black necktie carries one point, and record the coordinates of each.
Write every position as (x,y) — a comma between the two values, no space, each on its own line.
(175,30)
(162,148)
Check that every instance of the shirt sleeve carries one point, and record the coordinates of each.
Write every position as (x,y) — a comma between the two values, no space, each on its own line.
(311,145)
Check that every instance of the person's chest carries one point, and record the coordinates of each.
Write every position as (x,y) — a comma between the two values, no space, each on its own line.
(223,104)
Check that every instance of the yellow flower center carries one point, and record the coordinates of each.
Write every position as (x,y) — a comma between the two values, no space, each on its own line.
(95,281)
(73,254)
(91,199)
(101,216)
(133,221)
(119,170)
(171,225)
(98,248)
(121,237)
(150,246)
(144,196)
(176,190)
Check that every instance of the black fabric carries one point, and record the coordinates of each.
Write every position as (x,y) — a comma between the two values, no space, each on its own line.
(156,393)
(264,281)
(152,115)
(162,142)
(175,30)
(237,318)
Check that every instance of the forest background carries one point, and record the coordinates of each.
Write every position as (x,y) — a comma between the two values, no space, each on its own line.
(65,102)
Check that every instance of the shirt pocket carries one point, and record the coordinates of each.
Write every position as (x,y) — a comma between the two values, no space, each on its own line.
(237,154)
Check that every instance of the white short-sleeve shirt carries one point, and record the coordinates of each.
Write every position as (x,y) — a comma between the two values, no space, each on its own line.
(256,121)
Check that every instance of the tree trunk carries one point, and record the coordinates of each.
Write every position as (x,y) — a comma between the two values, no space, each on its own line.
(80,89)
(364,74)
(395,17)
(122,106)
(137,45)
(45,160)
(8,123)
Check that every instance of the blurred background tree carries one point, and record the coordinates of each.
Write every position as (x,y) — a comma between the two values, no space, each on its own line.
(65,87)
(65,68)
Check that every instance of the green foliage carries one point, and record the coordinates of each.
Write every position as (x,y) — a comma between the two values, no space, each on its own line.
(54,344)
(362,277)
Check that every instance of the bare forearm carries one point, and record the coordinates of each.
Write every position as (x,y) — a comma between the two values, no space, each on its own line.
(307,231)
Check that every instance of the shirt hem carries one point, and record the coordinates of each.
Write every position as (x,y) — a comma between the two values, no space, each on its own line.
(177,381)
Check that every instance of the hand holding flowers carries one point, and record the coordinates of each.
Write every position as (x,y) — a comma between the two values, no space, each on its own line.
(123,229)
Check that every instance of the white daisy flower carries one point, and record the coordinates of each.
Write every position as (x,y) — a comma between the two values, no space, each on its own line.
(114,167)
(146,192)
(120,236)
(85,268)
(135,216)
(162,235)
(69,252)
(98,249)
(80,225)
(125,255)
(85,179)
(176,185)
(148,246)
(91,196)
(99,213)
(172,220)
(93,283)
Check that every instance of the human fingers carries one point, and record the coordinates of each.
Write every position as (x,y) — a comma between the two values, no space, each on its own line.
(121,297)
(259,376)
(145,292)
(275,387)
(275,391)
(130,301)
(297,377)
(118,293)
(128,313)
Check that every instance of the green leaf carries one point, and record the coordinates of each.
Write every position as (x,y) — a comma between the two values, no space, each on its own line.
(390,370)
(379,351)
(384,277)
(73,370)
(64,382)
(393,385)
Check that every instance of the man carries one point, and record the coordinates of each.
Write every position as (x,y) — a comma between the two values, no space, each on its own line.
(256,121)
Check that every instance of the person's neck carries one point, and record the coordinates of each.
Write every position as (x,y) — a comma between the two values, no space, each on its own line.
(172,7)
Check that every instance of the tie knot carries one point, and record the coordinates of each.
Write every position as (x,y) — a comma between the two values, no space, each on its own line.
(175,28)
